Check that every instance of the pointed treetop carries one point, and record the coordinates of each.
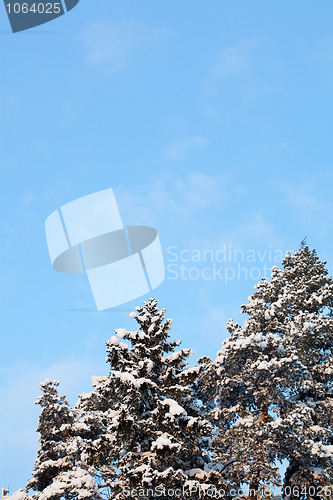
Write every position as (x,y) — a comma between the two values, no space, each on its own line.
(303,242)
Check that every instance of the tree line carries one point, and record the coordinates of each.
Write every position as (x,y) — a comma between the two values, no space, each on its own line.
(156,427)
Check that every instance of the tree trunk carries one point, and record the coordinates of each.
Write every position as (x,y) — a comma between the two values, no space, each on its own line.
(264,414)
(253,493)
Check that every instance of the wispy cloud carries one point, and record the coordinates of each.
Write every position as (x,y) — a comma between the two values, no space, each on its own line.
(256,231)
(310,201)
(173,201)
(113,46)
(234,60)
(247,68)
(184,146)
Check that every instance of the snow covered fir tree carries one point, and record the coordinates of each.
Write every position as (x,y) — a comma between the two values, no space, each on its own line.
(57,473)
(152,434)
(155,427)
(272,381)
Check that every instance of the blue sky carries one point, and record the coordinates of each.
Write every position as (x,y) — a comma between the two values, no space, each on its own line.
(211,122)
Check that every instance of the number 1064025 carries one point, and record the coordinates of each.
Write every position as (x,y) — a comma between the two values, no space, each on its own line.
(35,8)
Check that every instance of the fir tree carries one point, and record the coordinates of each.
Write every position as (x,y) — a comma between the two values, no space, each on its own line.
(55,421)
(58,473)
(274,381)
(155,437)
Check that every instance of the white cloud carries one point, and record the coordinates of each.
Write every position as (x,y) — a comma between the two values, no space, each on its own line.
(248,69)
(310,201)
(194,212)
(232,61)
(112,46)
(254,230)
(172,201)
(235,59)
(184,146)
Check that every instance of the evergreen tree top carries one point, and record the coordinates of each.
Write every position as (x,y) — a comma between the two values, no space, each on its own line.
(301,284)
